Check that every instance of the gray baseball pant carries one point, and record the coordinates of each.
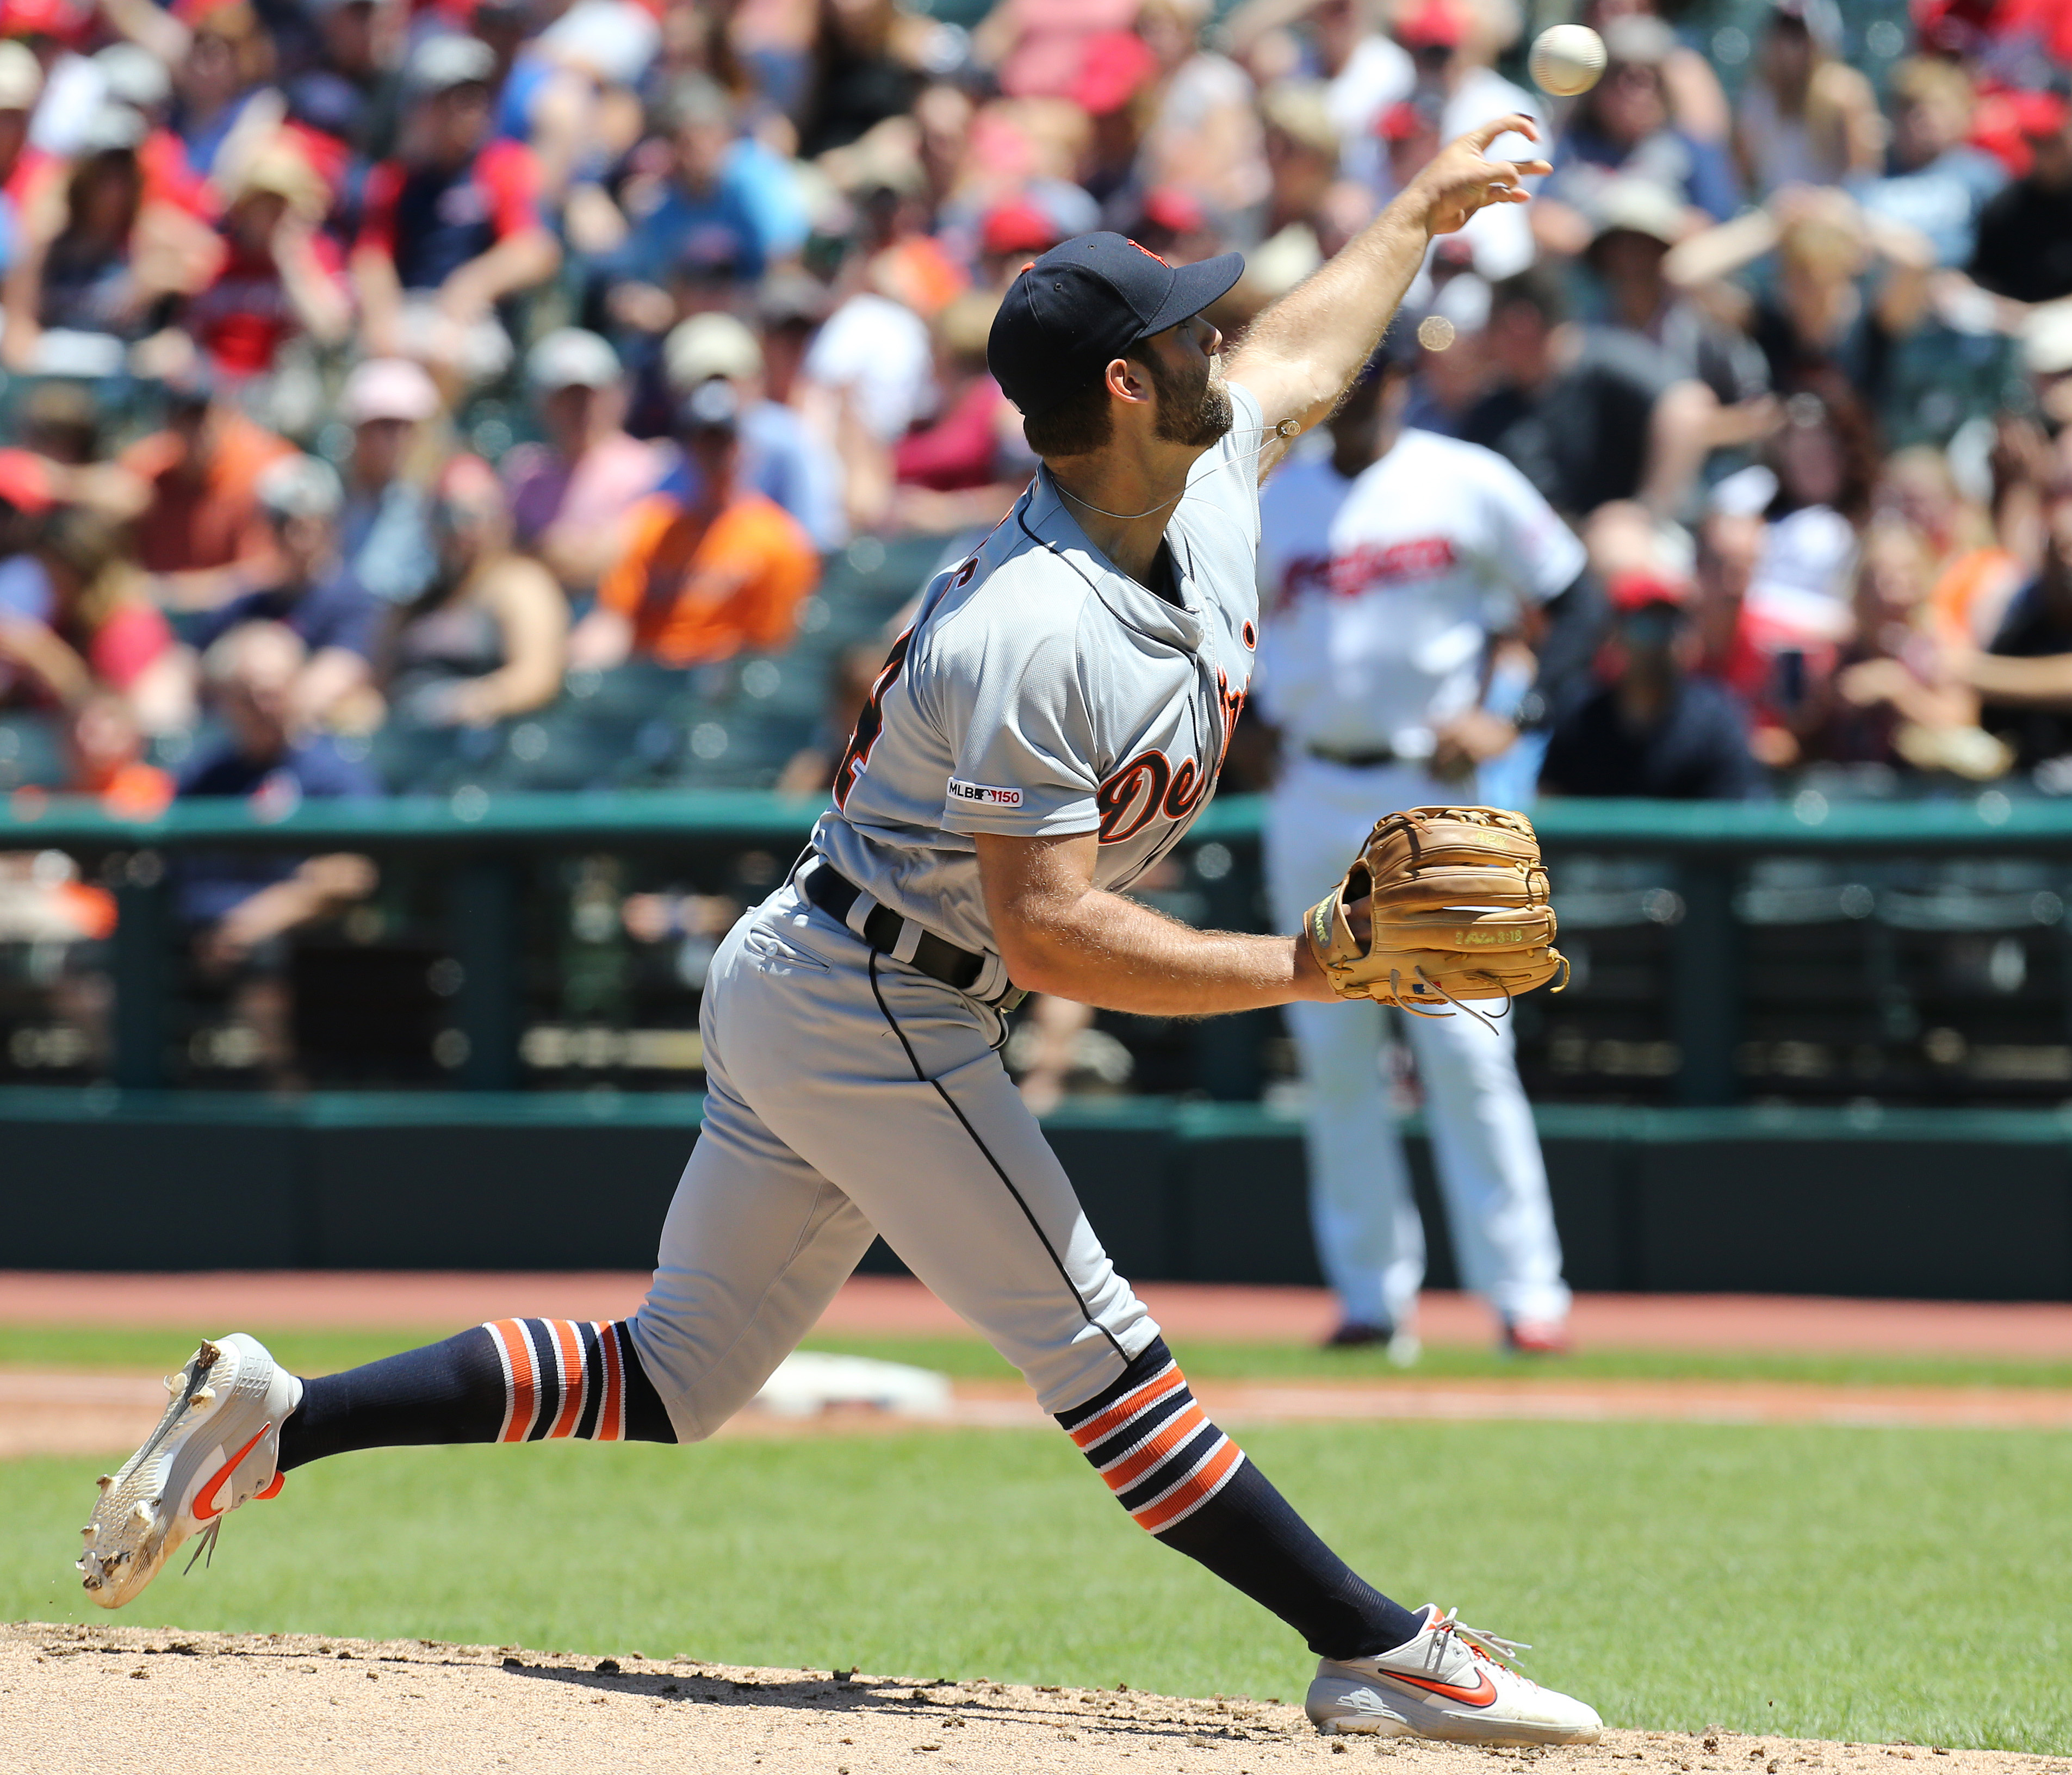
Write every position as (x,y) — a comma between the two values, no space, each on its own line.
(846,1095)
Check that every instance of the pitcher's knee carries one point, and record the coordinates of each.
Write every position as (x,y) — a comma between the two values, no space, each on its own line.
(684,1387)
(1077,1365)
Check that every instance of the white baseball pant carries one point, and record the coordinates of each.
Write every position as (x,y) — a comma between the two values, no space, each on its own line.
(818,1130)
(1370,1241)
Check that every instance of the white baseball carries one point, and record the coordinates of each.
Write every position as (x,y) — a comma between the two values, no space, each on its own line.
(1566,60)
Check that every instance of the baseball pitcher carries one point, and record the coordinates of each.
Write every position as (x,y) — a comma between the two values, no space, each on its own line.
(1046,730)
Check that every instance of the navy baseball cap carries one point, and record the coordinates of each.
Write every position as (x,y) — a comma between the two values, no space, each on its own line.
(1085,303)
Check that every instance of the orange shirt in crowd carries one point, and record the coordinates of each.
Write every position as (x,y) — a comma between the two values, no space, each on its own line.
(1971,595)
(695,591)
(214,522)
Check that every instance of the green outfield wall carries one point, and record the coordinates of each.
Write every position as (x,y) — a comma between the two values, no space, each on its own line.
(1959,1205)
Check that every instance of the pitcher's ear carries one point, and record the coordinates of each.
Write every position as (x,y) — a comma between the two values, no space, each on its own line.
(1126,378)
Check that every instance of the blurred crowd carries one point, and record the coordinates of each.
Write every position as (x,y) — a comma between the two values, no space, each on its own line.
(379,364)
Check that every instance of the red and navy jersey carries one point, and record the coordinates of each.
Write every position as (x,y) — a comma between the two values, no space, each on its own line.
(431,220)
(243,315)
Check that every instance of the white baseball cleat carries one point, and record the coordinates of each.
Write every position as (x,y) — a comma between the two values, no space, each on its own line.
(1446,1682)
(217,1447)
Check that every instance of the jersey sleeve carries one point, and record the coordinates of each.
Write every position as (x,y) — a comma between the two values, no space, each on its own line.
(509,177)
(1021,737)
(1534,553)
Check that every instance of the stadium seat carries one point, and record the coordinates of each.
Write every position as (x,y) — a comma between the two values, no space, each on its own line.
(864,585)
(629,693)
(554,749)
(31,752)
(738,750)
(792,684)
(416,760)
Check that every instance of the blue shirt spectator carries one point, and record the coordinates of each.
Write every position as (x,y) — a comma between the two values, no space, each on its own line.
(314,596)
(725,200)
(1621,130)
(713,226)
(781,457)
(1696,749)
(334,610)
(252,674)
(312,768)
(1934,181)
(386,533)
(1698,173)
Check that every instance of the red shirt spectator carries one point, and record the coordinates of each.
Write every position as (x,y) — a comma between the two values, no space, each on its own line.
(245,315)
(279,276)
(960,449)
(1966,27)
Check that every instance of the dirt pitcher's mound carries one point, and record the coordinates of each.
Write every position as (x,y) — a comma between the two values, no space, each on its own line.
(112,1700)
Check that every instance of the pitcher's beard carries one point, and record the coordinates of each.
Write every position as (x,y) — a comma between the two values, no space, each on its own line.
(1197,418)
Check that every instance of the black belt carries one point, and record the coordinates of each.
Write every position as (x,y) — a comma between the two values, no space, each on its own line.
(1368,760)
(835,894)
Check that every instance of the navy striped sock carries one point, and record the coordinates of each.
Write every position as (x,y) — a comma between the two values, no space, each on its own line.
(1155,1447)
(516,1380)
(1184,1480)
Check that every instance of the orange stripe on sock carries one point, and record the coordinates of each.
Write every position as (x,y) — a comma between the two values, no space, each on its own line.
(504,1363)
(609,1428)
(1173,1434)
(1100,1428)
(574,1379)
(524,1389)
(1196,1491)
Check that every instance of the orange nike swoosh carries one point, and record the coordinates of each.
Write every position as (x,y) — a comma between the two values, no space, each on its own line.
(1482,1697)
(205,1505)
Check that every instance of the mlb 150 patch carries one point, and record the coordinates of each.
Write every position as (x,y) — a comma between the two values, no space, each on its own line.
(984,793)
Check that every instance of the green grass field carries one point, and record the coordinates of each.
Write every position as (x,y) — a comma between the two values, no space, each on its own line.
(144,1350)
(1846,1583)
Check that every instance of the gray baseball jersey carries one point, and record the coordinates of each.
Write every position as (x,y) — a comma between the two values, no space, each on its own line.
(1040,691)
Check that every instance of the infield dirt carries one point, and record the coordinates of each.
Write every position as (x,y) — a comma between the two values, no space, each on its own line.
(74,1698)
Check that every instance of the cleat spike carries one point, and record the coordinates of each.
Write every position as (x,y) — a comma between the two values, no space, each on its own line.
(105,1480)
(214,1445)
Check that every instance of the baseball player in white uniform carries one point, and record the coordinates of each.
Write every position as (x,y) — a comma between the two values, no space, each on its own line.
(1046,729)
(1391,560)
